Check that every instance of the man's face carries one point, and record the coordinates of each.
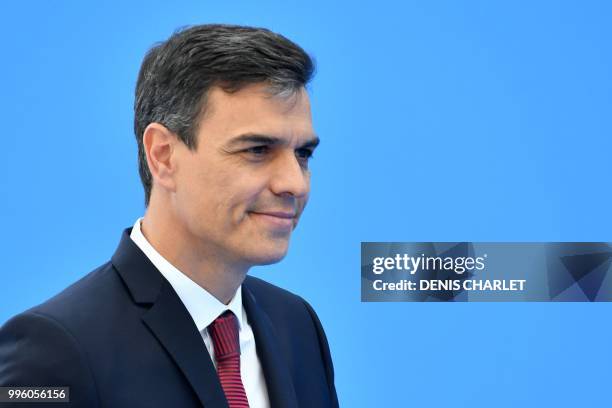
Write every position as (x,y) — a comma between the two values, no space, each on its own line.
(241,192)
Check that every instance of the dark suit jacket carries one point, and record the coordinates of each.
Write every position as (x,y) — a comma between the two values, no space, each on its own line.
(121,337)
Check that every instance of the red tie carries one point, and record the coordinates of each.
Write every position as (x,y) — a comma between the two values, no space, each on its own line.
(224,334)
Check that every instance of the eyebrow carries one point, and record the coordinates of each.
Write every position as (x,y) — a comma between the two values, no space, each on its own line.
(269,140)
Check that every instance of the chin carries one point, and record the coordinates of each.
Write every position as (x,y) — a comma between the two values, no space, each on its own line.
(269,255)
(268,259)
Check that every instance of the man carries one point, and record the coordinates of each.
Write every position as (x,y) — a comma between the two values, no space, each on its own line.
(224,133)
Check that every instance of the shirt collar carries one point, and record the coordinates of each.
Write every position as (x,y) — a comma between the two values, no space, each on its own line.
(203,307)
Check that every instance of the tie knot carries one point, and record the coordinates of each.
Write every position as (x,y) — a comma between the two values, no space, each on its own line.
(224,333)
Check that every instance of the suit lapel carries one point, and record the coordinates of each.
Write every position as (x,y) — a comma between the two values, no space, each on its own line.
(169,321)
(171,324)
(278,378)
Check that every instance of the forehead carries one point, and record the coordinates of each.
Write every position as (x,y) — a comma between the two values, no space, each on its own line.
(253,109)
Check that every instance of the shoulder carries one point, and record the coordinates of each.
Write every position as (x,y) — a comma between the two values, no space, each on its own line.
(283,306)
(51,343)
(75,315)
(297,325)
(95,294)
(38,349)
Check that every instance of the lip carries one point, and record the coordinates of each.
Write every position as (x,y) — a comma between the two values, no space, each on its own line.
(279,214)
(277,219)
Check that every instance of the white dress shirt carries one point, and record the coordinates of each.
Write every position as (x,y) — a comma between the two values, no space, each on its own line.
(204,308)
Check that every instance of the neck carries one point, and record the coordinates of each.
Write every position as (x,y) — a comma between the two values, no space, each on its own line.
(204,264)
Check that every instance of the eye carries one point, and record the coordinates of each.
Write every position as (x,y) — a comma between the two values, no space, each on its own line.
(258,150)
(304,153)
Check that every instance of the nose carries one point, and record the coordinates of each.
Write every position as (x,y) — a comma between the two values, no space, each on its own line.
(290,177)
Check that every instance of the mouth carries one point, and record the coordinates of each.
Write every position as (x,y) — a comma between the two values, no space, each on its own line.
(278,220)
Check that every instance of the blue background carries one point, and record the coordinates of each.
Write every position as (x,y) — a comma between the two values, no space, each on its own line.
(440,121)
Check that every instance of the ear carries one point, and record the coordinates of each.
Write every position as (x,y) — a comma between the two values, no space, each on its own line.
(159,144)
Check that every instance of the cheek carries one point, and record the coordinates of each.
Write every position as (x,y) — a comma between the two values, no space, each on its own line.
(236,197)
(200,193)
(303,201)
(302,204)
